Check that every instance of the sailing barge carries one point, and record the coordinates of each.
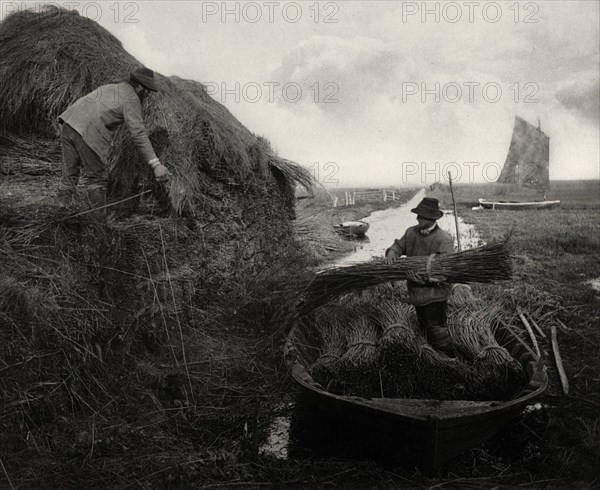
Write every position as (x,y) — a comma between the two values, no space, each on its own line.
(527,164)
(432,430)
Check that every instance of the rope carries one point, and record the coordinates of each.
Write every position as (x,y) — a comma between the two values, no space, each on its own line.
(364,342)
(107,205)
(393,326)
(493,347)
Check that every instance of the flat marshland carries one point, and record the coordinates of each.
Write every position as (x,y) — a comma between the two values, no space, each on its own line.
(556,258)
(191,405)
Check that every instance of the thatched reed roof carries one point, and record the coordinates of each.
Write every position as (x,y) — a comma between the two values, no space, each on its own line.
(50,58)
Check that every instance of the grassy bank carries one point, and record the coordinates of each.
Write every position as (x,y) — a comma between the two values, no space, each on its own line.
(144,351)
(103,408)
(556,254)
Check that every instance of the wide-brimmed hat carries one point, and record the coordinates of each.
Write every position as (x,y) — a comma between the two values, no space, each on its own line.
(428,208)
(145,77)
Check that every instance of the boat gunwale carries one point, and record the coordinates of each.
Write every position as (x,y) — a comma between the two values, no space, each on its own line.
(518,203)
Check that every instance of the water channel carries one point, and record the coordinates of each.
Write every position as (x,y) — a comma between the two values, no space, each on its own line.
(389,224)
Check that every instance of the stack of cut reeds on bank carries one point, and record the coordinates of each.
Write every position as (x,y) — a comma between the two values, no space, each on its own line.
(486,264)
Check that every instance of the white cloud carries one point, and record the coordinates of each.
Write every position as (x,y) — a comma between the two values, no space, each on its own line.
(368,55)
(583,96)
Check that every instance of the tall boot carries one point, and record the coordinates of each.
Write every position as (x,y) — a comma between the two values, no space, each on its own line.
(439,338)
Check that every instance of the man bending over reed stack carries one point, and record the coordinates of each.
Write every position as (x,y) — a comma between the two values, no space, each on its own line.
(428,295)
(87,129)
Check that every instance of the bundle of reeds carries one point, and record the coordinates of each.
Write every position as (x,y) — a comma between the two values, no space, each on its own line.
(469,324)
(334,344)
(501,374)
(472,328)
(445,378)
(294,173)
(398,348)
(358,370)
(399,339)
(485,264)
(363,335)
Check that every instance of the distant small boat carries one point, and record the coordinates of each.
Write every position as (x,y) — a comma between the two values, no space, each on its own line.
(355,228)
(518,205)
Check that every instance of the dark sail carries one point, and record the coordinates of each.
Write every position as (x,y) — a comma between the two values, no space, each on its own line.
(528,157)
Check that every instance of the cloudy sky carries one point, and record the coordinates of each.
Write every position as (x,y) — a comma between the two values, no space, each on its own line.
(375,92)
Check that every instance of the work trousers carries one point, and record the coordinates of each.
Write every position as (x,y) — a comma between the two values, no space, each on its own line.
(77,155)
(433,320)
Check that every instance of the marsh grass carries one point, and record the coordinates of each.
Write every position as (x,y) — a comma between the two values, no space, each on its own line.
(556,254)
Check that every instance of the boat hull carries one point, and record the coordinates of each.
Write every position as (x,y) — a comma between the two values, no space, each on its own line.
(434,431)
(354,228)
(518,206)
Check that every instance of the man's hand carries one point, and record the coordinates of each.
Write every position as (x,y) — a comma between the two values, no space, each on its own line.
(416,277)
(436,279)
(393,259)
(389,260)
(161,173)
(424,278)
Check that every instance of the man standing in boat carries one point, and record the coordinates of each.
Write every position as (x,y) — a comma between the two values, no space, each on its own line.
(428,295)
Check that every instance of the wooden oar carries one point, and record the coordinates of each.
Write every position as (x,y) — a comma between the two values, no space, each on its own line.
(559,365)
(530,332)
(536,326)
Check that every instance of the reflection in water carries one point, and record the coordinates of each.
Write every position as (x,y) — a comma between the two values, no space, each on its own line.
(278,439)
(354,238)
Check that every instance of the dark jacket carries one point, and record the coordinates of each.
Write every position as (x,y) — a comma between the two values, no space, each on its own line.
(414,244)
(97,116)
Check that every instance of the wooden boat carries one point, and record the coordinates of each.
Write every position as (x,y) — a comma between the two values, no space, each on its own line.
(354,228)
(518,205)
(432,430)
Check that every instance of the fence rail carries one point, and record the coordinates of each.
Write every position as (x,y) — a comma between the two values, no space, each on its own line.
(367,196)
